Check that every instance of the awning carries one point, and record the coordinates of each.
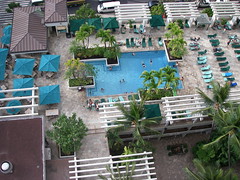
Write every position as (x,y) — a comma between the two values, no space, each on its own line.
(76,24)
(95,22)
(156,21)
(110,23)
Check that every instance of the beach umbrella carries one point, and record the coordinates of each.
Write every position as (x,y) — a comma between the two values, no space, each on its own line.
(49,94)
(49,63)
(22,83)
(3,57)
(7,30)
(24,66)
(2,95)
(110,23)
(6,39)
(13,103)
(75,24)
(95,22)
(156,21)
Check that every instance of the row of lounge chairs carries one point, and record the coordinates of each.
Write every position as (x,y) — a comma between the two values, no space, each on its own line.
(132,43)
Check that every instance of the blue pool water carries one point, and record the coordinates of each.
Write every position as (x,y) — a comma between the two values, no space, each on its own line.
(130,69)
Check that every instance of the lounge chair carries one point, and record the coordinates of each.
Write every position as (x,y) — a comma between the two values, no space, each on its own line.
(238,55)
(236,45)
(208,80)
(127,43)
(132,42)
(238,58)
(135,29)
(214,41)
(232,36)
(227,74)
(160,43)
(209,86)
(202,62)
(186,24)
(110,99)
(206,72)
(233,84)
(193,44)
(143,42)
(237,51)
(223,64)
(206,68)
(212,35)
(215,44)
(229,79)
(202,58)
(225,68)
(150,42)
(102,100)
(195,48)
(121,98)
(141,28)
(207,76)
(202,52)
(219,53)
(221,58)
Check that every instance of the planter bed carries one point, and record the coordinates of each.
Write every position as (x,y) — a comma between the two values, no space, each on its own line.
(169,57)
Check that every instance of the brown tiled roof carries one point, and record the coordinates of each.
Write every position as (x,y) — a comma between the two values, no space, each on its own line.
(21,143)
(55,11)
(29,33)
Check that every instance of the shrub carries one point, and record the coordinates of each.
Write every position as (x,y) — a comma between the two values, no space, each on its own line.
(208,11)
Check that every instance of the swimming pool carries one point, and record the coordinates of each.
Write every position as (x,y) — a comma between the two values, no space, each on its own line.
(125,78)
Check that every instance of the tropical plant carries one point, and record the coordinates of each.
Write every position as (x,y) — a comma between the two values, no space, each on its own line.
(11,6)
(209,172)
(169,77)
(208,11)
(85,31)
(68,133)
(130,22)
(114,141)
(157,10)
(177,47)
(85,12)
(104,34)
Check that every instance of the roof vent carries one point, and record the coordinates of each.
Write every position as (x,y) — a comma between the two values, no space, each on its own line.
(6,167)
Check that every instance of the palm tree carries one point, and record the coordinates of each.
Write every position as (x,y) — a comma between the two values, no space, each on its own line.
(159,75)
(104,34)
(169,70)
(148,76)
(209,172)
(111,40)
(171,81)
(85,31)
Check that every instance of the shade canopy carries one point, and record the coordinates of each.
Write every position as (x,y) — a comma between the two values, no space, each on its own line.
(110,23)
(13,103)
(2,95)
(22,83)
(76,24)
(24,66)
(49,63)
(95,22)
(49,94)
(156,21)
(7,30)
(6,39)
(3,57)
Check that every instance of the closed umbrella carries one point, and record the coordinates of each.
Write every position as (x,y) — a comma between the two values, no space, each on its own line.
(14,103)
(24,66)
(49,94)
(110,23)
(7,30)
(6,39)
(49,63)
(156,21)
(95,22)
(22,83)
(3,57)
(75,24)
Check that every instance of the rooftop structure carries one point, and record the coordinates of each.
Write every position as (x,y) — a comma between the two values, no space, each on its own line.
(30,35)
(22,144)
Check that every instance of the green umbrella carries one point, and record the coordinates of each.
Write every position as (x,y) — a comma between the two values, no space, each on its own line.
(157,20)
(95,22)
(76,24)
(110,23)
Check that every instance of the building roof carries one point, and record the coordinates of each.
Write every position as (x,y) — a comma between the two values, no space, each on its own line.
(22,145)
(28,33)
(5,16)
(55,11)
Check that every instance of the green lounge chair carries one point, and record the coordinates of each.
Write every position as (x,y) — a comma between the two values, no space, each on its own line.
(236,45)
(202,52)
(194,44)
(238,55)
(232,36)
(102,100)
(215,44)
(207,76)
(229,79)
(223,64)
(227,74)
(238,58)
(150,42)
(127,43)
(186,24)
(141,28)
(135,29)
(160,43)
(214,41)
(206,68)
(212,35)
(225,68)
(195,48)
(209,86)
(237,51)
(219,53)
(121,98)
(221,58)
(202,58)
(202,62)
(206,72)
(208,80)
(144,43)
(132,42)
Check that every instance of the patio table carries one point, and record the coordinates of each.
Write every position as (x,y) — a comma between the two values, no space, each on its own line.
(203,19)
(52,112)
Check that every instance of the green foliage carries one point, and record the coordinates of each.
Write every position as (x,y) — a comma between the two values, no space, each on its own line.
(68,133)
(157,10)
(153,95)
(80,82)
(209,172)
(208,11)
(114,141)
(11,6)
(180,23)
(130,22)
(85,31)
(223,21)
(85,12)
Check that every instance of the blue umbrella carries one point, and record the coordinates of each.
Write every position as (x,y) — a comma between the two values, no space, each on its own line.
(2,95)
(13,103)
(49,94)
(6,39)
(24,66)
(3,57)
(49,63)
(22,83)
(7,30)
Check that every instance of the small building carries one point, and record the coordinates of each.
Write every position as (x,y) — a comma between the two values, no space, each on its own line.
(22,149)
